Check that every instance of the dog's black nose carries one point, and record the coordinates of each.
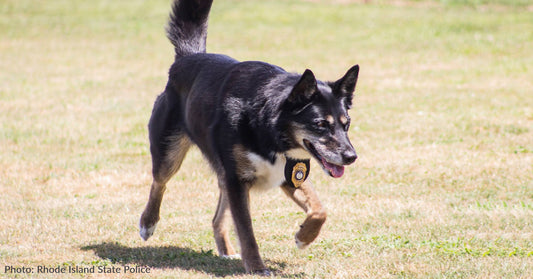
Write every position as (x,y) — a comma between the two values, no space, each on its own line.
(349,156)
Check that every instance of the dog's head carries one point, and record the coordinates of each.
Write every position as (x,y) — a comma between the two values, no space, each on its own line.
(319,119)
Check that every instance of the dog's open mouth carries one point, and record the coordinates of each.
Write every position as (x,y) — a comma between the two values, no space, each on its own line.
(332,169)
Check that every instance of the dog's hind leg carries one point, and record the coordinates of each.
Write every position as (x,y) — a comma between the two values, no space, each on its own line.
(306,197)
(221,224)
(168,145)
(167,157)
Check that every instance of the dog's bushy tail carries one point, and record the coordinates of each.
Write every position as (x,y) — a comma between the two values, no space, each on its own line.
(187,26)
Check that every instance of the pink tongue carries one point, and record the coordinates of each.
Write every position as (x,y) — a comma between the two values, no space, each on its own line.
(334,170)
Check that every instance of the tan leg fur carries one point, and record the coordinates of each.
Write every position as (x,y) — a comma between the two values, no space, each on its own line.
(306,197)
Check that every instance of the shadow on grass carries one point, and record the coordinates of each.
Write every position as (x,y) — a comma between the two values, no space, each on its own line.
(173,257)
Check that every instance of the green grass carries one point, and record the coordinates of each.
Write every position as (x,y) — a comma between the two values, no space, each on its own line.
(442,122)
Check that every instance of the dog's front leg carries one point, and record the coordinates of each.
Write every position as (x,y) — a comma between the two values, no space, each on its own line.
(238,198)
(306,197)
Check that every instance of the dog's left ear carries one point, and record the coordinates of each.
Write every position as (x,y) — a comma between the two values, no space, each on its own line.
(304,89)
(345,86)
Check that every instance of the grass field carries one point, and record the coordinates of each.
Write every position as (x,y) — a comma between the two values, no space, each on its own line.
(442,122)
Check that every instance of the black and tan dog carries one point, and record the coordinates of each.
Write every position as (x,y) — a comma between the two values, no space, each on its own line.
(256,124)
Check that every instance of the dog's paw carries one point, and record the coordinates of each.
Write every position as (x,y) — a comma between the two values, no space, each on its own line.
(263,272)
(147,232)
(300,244)
(232,257)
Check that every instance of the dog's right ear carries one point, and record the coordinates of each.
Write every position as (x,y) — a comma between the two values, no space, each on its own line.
(304,90)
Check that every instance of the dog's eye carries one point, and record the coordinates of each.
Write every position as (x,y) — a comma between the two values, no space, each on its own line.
(323,124)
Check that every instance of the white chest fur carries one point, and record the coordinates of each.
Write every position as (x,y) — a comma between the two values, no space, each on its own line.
(267,175)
